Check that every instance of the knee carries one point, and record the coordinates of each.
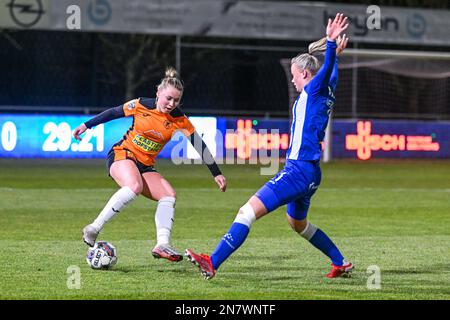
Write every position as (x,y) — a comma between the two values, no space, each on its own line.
(246,215)
(167,194)
(136,187)
(298,225)
(172,193)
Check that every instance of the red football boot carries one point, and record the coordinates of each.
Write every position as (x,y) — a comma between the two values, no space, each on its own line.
(202,261)
(344,271)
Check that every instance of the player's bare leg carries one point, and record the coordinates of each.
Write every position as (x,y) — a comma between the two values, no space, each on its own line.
(127,176)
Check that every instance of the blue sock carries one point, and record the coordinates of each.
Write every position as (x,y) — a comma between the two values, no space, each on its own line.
(230,242)
(321,241)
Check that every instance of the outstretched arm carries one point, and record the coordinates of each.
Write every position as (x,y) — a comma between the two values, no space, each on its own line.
(105,116)
(334,29)
(208,159)
(341,45)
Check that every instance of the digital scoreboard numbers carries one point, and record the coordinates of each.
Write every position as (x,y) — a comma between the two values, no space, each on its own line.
(59,138)
(38,136)
(51,136)
(9,136)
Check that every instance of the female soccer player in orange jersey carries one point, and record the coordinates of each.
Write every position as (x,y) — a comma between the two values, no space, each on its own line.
(131,160)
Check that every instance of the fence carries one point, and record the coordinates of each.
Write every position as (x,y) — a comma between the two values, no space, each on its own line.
(55,71)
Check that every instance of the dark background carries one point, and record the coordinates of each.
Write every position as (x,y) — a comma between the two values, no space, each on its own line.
(88,72)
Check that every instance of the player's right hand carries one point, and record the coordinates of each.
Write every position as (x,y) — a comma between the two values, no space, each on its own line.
(336,26)
(221,182)
(79,131)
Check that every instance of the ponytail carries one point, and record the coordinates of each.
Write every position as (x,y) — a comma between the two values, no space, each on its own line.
(310,61)
(318,47)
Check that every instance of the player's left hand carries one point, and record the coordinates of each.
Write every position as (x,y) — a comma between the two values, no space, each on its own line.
(79,130)
(221,182)
(341,44)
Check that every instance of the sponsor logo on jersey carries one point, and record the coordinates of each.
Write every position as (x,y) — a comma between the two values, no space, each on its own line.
(154,134)
(131,105)
(145,144)
(167,124)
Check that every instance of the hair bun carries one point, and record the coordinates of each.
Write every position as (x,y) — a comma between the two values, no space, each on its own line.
(171,72)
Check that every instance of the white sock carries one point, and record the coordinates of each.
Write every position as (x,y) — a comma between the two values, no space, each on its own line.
(118,201)
(164,219)
(309,231)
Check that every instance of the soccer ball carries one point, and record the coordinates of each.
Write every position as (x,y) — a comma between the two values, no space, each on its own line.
(103,255)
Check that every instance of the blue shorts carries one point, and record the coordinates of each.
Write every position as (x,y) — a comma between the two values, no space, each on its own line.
(294,186)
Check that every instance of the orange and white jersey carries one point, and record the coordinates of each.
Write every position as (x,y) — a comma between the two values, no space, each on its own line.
(151,129)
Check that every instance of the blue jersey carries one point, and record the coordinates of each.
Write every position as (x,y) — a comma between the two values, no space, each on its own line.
(311,110)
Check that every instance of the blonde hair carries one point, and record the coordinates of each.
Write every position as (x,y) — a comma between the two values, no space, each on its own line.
(171,79)
(305,61)
(318,46)
(308,60)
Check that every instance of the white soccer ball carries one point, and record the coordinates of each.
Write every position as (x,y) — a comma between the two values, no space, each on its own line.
(103,255)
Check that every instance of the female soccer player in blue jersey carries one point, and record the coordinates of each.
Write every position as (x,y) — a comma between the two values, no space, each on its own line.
(301,176)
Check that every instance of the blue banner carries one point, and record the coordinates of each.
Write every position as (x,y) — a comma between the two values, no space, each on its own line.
(366,140)
(50,136)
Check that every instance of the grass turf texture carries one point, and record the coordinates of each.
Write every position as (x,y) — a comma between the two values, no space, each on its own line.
(392,214)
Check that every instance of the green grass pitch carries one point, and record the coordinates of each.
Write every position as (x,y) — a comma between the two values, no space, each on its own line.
(391,214)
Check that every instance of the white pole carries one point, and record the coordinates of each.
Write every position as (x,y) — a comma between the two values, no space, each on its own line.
(327,140)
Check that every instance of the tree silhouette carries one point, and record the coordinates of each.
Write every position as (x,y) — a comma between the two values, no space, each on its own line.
(134,59)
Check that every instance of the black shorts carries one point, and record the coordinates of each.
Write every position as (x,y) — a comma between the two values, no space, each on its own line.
(122,154)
